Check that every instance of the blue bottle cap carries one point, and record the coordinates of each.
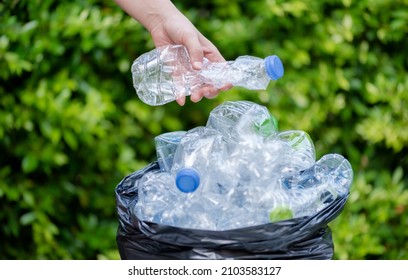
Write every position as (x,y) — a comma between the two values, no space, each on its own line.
(274,67)
(187,180)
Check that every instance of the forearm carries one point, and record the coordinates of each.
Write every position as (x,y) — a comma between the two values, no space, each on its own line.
(149,13)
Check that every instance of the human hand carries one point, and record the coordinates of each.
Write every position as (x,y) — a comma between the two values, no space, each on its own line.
(177,29)
(168,26)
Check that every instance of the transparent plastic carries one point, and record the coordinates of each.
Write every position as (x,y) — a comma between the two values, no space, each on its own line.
(199,150)
(166,74)
(240,171)
(238,118)
(166,146)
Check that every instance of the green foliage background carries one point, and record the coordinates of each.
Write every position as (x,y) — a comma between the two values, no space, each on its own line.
(71,125)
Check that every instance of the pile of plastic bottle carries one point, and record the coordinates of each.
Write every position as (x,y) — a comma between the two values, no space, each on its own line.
(237,171)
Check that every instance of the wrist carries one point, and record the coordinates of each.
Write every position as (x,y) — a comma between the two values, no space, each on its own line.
(150,13)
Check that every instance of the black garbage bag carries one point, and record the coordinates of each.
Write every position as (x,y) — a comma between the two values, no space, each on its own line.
(299,238)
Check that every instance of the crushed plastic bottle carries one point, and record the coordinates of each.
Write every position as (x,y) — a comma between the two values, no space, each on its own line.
(238,119)
(166,146)
(166,74)
(302,154)
(197,153)
(329,178)
(156,191)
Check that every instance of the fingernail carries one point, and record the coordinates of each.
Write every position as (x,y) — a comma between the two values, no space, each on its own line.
(197,65)
(207,94)
(181,101)
(196,99)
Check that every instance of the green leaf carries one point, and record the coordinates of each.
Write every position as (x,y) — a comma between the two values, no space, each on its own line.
(29,163)
(28,218)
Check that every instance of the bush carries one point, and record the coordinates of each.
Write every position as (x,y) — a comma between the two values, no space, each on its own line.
(71,126)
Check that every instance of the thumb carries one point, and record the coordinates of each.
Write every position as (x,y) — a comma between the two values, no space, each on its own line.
(195,51)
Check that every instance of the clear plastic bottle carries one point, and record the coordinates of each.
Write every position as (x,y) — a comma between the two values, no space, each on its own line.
(166,74)
(314,188)
(302,154)
(235,119)
(196,157)
(156,191)
(166,146)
